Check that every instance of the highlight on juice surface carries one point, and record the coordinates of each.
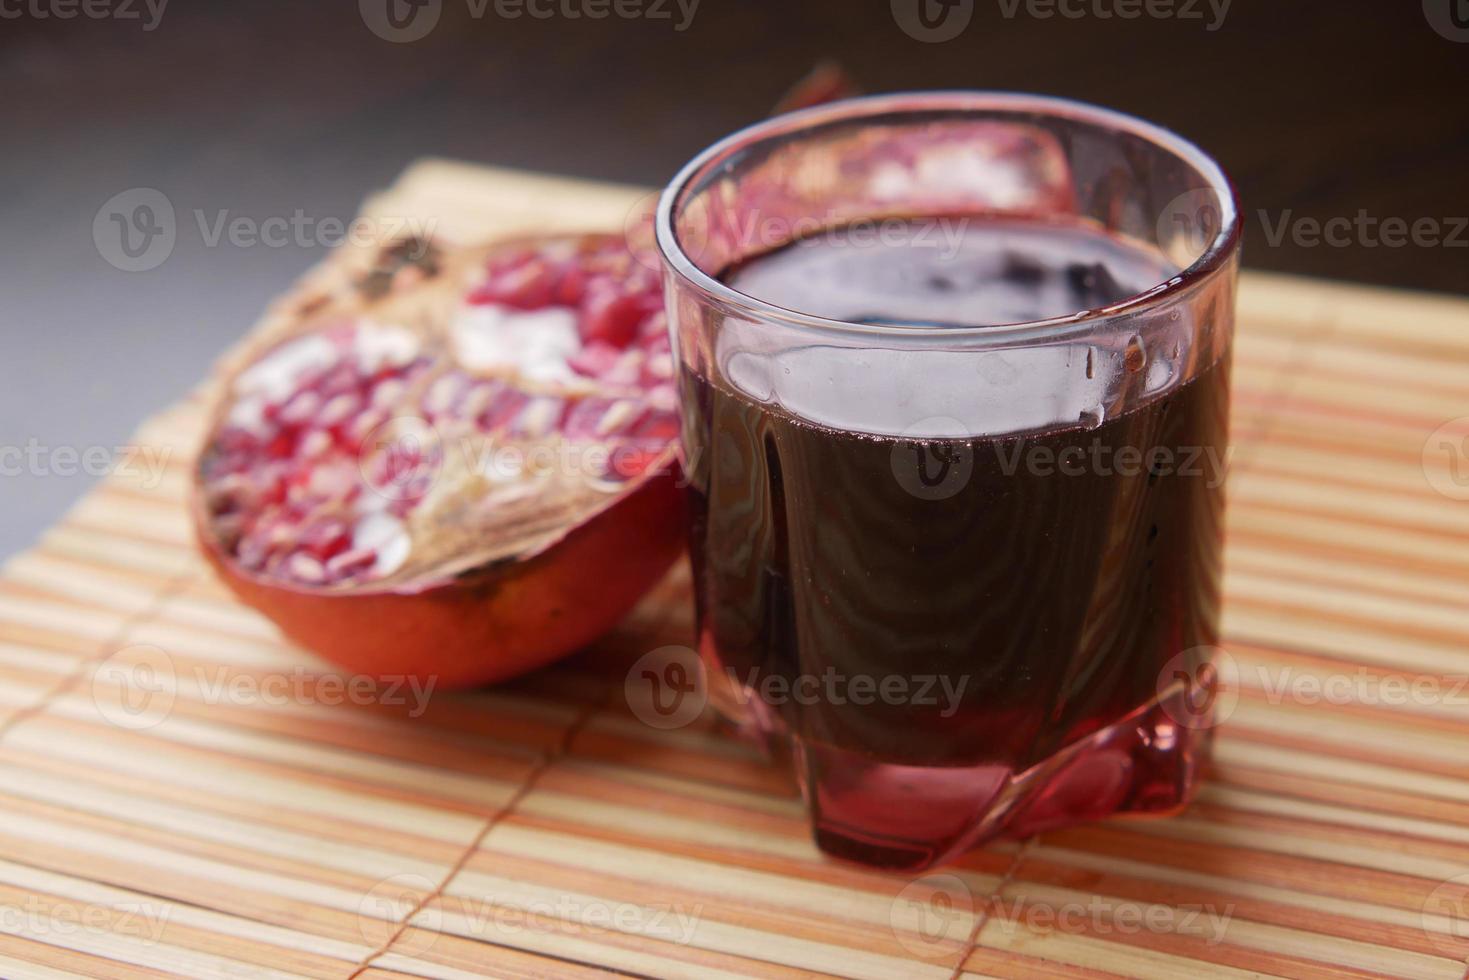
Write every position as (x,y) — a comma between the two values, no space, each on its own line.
(954,379)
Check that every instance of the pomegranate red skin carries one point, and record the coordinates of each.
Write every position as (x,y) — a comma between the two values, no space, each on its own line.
(488,624)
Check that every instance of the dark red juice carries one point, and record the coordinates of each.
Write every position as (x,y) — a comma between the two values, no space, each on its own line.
(957,598)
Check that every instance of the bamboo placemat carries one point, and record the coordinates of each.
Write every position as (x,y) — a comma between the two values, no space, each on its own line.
(181,796)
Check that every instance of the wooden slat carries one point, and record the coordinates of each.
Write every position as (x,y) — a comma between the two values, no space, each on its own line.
(539,830)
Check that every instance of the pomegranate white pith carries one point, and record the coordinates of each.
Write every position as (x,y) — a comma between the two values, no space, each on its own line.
(446,445)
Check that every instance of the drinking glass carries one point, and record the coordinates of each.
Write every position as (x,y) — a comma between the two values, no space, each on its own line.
(967,574)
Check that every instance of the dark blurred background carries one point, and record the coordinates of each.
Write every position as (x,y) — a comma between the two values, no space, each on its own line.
(268,108)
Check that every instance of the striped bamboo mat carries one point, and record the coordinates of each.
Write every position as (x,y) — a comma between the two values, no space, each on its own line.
(181,795)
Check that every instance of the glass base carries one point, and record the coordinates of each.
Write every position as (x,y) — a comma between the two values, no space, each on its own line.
(912,817)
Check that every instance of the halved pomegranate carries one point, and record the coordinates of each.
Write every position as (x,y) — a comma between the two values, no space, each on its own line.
(464,471)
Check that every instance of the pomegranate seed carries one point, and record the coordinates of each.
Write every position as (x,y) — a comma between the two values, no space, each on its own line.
(274,492)
(478,399)
(340,409)
(388,392)
(306,568)
(657,369)
(537,418)
(629,461)
(662,398)
(386,538)
(443,393)
(351,562)
(281,446)
(585,416)
(302,408)
(362,426)
(617,417)
(656,427)
(655,330)
(333,481)
(337,439)
(527,287)
(594,360)
(314,445)
(324,539)
(342,378)
(612,318)
(572,288)
(628,369)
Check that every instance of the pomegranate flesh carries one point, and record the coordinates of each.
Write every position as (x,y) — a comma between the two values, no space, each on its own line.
(466,474)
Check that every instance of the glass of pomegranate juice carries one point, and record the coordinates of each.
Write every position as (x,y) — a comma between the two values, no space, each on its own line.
(954,373)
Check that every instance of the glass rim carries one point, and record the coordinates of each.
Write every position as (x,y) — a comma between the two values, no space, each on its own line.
(1215,255)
